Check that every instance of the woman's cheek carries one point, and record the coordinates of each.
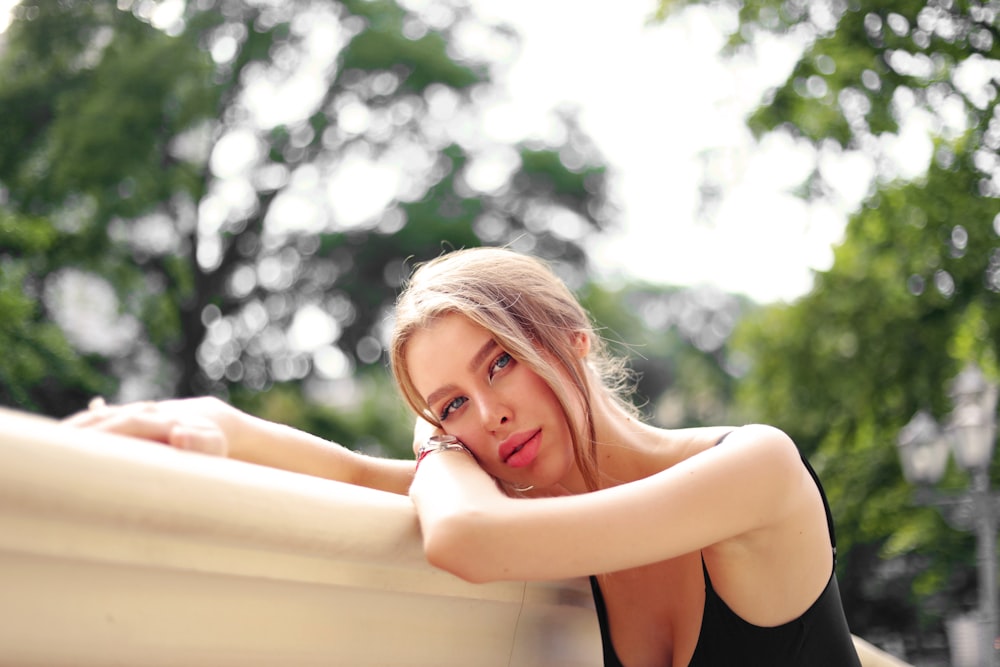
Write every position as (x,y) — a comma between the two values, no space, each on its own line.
(477,449)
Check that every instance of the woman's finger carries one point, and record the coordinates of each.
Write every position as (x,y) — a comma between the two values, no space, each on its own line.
(95,411)
(136,424)
(203,438)
(99,411)
(183,432)
(167,423)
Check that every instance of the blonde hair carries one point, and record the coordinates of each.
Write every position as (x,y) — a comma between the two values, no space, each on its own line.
(531,314)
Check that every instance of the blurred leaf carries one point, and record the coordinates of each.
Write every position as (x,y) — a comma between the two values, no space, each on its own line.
(195,169)
(912,295)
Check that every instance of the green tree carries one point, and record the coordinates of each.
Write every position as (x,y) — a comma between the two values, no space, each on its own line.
(844,368)
(253,181)
(913,293)
(39,368)
(677,343)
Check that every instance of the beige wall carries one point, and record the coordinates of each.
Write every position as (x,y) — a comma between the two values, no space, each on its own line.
(119,552)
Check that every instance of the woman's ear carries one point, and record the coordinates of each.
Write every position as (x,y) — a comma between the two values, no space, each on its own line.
(581,342)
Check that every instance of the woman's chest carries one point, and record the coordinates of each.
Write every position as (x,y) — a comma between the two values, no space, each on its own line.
(655,611)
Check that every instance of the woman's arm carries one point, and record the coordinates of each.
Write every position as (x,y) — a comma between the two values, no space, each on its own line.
(280,446)
(210,426)
(740,490)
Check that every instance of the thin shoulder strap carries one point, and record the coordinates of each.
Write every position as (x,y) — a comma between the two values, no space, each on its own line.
(826,506)
(608,648)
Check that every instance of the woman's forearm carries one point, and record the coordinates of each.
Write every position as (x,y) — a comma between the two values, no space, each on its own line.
(456,501)
(279,446)
(210,426)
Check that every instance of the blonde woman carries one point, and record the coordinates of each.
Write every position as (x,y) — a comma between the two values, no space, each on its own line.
(708,546)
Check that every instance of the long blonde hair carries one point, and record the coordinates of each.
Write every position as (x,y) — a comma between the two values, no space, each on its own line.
(532,315)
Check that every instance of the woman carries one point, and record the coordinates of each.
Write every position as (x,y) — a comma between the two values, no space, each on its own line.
(709,546)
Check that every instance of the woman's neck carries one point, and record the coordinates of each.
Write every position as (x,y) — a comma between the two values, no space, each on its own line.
(626,448)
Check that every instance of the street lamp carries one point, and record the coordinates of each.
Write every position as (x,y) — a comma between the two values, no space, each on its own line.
(971,433)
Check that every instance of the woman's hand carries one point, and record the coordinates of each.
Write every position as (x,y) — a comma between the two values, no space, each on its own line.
(210,426)
(205,425)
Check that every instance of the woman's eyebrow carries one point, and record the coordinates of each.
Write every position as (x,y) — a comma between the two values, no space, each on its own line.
(477,360)
(485,351)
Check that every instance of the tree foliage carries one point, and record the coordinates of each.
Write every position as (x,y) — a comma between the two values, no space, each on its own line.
(677,343)
(241,188)
(880,336)
(912,295)
(869,66)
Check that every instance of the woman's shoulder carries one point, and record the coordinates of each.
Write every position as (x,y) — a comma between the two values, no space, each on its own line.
(694,440)
(701,438)
(766,442)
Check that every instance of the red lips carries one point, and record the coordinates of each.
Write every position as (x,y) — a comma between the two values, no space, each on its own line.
(520,449)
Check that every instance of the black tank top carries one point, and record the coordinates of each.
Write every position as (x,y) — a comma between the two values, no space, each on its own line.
(818,638)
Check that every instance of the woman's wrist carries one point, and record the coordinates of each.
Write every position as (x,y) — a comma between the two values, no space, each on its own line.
(255,439)
(441,443)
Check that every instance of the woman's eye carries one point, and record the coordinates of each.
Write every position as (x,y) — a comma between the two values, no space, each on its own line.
(451,406)
(500,363)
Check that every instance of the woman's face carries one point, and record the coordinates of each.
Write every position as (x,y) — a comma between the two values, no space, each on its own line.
(500,409)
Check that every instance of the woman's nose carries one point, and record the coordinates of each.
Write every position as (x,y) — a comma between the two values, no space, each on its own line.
(494,413)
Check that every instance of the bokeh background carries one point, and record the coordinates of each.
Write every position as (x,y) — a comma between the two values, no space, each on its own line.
(787,211)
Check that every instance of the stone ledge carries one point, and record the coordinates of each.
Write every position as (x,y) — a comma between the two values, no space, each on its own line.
(117,551)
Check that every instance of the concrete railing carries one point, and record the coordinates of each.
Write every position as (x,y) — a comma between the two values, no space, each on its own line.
(119,552)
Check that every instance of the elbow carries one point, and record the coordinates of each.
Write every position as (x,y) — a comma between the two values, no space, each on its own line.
(462,569)
(454,544)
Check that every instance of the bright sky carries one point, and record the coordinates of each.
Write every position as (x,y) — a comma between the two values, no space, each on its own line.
(654,98)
